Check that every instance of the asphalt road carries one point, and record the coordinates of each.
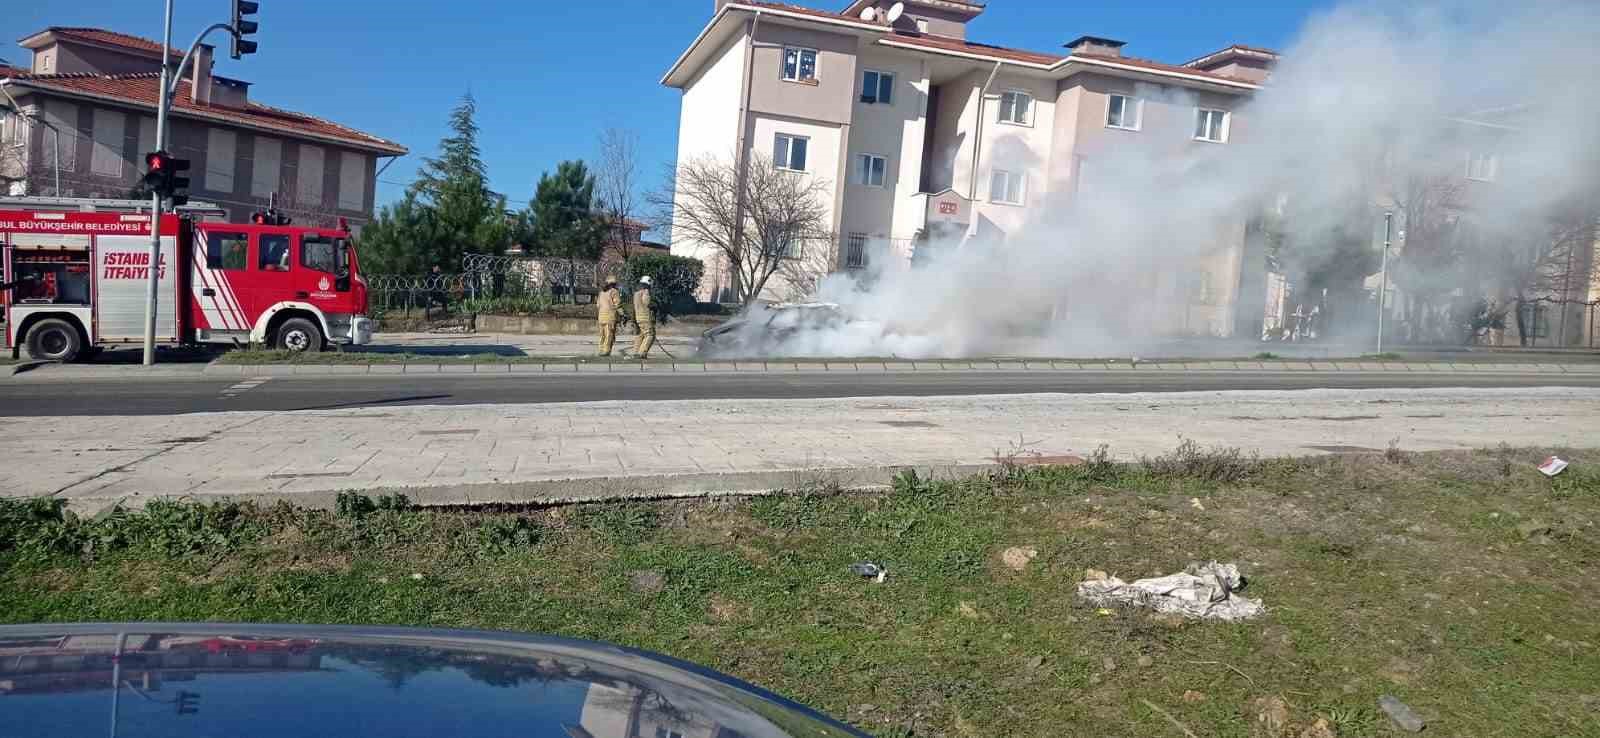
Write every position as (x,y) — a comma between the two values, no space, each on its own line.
(176,395)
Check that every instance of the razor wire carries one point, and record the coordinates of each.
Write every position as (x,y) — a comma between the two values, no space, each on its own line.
(483,276)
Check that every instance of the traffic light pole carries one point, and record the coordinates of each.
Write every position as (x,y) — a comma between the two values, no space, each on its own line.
(153,291)
(168,88)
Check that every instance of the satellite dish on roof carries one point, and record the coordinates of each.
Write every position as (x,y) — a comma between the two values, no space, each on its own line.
(895,11)
(869,13)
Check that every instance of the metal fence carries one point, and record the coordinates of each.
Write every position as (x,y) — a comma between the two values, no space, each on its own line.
(483,279)
(1553,323)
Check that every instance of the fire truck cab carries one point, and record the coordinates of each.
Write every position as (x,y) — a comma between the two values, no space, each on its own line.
(77,281)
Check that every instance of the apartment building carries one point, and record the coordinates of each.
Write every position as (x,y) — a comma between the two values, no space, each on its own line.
(926,137)
(84,113)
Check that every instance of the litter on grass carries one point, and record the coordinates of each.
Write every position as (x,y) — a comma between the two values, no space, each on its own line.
(869,570)
(1203,591)
(1553,466)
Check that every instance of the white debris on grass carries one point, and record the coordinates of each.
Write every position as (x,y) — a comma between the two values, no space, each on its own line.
(1553,465)
(1204,591)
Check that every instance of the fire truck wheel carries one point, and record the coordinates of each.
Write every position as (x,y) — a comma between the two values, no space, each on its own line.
(299,335)
(54,339)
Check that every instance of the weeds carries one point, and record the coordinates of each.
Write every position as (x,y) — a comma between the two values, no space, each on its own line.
(1393,454)
(1190,461)
(623,523)
(43,528)
(502,535)
(1266,356)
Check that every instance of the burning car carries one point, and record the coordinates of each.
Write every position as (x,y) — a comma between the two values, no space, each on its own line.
(795,329)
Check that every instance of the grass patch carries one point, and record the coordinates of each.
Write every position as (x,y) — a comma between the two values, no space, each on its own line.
(1456,581)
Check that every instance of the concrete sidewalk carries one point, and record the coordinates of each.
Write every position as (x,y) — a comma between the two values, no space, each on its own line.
(577,451)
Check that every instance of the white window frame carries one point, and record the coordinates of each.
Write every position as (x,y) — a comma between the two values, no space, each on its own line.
(864,170)
(16,130)
(1222,130)
(1012,198)
(799,59)
(788,157)
(1138,111)
(1000,109)
(1490,159)
(877,94)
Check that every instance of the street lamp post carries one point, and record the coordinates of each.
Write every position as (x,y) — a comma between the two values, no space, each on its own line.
(1383,285)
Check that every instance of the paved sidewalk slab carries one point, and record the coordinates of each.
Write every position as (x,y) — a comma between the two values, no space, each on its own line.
(519,453)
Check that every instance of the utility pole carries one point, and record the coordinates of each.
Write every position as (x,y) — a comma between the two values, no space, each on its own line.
(1383,287)
(153,287)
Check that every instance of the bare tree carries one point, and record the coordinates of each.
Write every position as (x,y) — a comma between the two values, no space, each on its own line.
(803,274)
(1431,267)
(755,222)
(615,178)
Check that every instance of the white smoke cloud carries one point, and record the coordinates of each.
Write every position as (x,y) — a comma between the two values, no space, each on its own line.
(1364,86)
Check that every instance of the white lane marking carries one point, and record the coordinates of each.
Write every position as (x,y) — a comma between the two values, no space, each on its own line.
(245,386)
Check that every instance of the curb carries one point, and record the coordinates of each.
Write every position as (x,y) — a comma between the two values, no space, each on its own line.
(1035,366)
(582,490)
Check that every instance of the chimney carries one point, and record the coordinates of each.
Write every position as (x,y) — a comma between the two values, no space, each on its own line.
(200,76)
(1096,46)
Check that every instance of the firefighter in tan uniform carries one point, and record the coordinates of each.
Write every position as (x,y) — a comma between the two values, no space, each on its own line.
(610,303)
(643,318)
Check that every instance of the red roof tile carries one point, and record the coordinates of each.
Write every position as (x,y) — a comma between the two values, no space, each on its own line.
(140,89)
(108,38)
(955,44)
(947,43)
(797,9)
(1133,61)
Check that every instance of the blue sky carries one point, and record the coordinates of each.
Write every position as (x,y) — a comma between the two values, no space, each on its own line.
(549,75)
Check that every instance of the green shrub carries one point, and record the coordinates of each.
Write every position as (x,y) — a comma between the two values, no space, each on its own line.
(673,281)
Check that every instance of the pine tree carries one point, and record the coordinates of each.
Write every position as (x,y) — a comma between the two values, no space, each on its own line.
(560,220)
(467,216)
(402,240)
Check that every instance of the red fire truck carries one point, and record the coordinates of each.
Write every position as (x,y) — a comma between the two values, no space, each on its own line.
(79,280)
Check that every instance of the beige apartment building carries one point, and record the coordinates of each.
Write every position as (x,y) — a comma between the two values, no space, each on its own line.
(924,136)
(83,114)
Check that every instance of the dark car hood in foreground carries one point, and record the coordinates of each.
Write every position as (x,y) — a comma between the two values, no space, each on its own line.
(248,681)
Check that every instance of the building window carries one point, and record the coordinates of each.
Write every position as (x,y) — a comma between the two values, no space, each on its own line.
(789,152)
(105,158)
(1016,107)
(308,178)
(781,242)
(266,170)
(16,131)
(1006,187)
(1122,111)
(226,250)
(855,251)
(274,254)
(877,87)
(221,147)
(871,169)
(352,181)
(1211,125)
(1482,166)
(799,65)
(664,733)
(62,132)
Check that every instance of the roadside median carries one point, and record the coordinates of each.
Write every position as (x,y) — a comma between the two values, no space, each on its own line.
(274,363)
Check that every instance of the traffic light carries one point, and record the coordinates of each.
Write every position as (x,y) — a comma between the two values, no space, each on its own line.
(164,175)
(188,702)
(242,27)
